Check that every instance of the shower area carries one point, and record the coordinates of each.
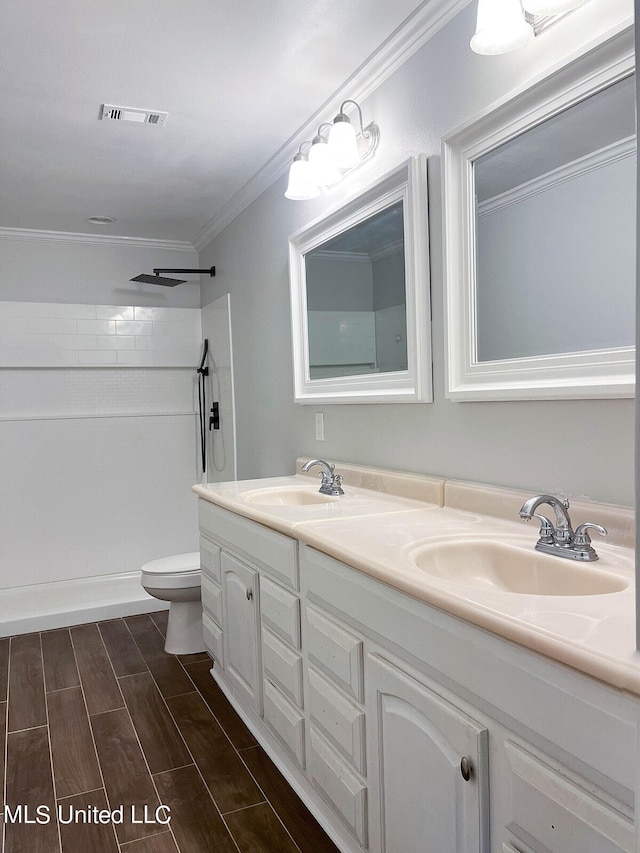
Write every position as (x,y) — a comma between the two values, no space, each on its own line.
(99,438)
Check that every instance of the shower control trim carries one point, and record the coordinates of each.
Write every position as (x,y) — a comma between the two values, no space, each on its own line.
(214,419)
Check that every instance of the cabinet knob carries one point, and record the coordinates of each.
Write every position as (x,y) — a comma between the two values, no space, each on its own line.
(466,768)
(249,593)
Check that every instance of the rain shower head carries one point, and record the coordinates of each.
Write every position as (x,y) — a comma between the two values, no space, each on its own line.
(156,278)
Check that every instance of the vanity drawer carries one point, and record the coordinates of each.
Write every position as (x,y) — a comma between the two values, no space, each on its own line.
(276,553)
(283,666)
(551,806)
(340,720)
(339,784)
(210,559)
(212,598)
(280,611)
(336,652)
(213,639)
(285,721)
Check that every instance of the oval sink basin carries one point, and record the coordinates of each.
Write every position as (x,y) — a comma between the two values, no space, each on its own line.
(288,497)
(501,567)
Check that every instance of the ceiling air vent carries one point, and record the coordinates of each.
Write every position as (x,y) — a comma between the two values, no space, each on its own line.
(131,114)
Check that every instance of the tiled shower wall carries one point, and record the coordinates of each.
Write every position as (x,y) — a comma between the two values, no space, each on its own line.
(48,334)
(96,464)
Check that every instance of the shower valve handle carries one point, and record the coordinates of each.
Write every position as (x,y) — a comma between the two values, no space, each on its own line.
(214,419)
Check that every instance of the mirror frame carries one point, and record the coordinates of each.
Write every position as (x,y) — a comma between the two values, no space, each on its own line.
(606,373)
(406,183)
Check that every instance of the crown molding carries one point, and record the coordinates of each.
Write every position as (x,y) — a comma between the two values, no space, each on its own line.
(347,257)
(409,37)
(95,239)
(569,171)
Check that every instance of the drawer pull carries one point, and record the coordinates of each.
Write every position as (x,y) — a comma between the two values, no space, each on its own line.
(249,593)
(466,768)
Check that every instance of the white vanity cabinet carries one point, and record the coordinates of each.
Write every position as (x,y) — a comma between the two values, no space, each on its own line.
(334,691)
(473,744)
(241,619)
(404,768)
(428,767)
(403,728)
(251,620)
(210,557)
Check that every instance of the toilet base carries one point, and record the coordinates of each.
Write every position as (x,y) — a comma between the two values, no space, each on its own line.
(184,628)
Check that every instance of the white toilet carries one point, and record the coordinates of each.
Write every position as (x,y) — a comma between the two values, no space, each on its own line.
(177,579)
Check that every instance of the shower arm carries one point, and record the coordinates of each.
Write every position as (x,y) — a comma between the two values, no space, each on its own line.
(211,271)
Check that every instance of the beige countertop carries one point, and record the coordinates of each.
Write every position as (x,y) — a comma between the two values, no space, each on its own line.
(386,519)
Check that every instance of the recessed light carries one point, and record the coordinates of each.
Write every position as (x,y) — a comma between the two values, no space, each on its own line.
(101,220)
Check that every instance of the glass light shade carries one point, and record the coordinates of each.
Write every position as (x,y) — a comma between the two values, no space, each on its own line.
(301,180)
(322,163)
(500,27)
(551,7)
(342,143)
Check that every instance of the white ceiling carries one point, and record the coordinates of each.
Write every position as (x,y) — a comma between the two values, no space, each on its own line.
(239,79)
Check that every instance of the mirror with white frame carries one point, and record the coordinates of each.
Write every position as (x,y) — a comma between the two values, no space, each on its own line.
(540,238)
(359,281)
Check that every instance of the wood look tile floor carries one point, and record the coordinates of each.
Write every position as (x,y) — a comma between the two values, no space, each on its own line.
(104,737)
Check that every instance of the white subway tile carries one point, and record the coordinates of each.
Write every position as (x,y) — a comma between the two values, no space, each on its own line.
(173,329)
(125,327)
(97,358)
(166,344)
(114,312)
(117,342)
(96,327)
(79,342)
(39,358)
(16,340)
(76,312)
(166,314)
(37,326)
(137,359)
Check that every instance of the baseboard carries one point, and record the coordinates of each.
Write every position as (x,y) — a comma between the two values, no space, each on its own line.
(41,607)
(312,799)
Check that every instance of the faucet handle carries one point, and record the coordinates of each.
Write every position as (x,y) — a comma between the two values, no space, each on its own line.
(327,474)
(582,537)
(546,528)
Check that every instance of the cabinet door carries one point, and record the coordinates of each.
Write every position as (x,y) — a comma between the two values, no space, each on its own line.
(242,662)
(417,744)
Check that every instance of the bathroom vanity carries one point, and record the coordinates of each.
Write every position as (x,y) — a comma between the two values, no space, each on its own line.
(411,711)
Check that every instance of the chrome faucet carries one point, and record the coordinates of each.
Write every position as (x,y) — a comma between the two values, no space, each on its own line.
(561,539)
(331,483)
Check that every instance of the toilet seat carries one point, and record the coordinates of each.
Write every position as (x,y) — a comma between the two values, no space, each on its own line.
(181,571)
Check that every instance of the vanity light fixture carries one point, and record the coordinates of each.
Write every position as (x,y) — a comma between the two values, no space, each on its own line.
(504,25)
(323,160)
(301,180)
(331,156)
(500,27)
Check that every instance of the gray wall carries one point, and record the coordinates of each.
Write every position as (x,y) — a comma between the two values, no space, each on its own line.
(388,281)
(87,273)
(559,267)
(577,447)
(336,284)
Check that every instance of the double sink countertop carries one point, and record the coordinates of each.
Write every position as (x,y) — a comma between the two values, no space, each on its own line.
(462,548)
